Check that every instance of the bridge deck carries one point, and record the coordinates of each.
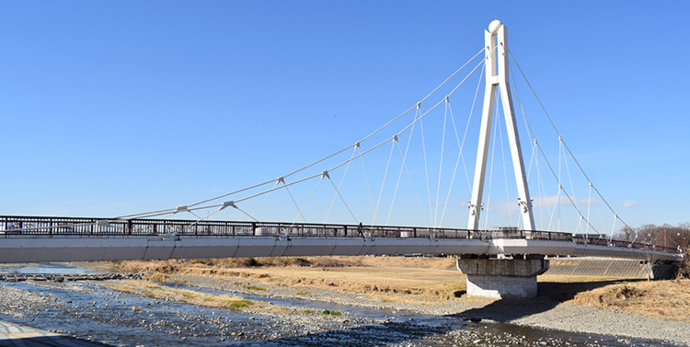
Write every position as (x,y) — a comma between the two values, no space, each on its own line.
(26,239)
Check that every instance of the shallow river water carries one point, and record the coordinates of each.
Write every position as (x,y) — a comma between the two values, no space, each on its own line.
(99,314)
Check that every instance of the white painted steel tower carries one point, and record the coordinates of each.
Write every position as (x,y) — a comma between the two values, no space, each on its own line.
(496,60)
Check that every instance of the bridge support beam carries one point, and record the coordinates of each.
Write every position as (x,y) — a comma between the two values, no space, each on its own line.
(502,278)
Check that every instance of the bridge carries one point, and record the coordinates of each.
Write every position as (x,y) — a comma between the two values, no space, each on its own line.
(81,239)
(501,261)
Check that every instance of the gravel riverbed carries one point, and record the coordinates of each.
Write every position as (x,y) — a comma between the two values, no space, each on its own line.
(539,312)
(91,312)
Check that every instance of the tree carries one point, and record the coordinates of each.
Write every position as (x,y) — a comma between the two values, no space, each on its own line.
(626,233)
(666,235)
(651,258)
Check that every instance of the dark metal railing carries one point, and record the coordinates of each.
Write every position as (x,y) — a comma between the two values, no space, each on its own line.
(27,225)
(602,241)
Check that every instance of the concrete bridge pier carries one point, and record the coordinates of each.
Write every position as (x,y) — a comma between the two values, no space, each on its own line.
(502,278)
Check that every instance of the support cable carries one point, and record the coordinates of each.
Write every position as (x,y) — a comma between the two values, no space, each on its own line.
(552,170)
(402,166)
(306,202)
(250,216)
(414,190)
(589,205)
(426,167)
(193,206)
(426,97)
(293,201)
(461,145)
(570,178)
(601,218)
(566,146)
(542,192)
(264,199)
(529,169)
(467,127)
(409,125)
(366,180)
(385,174)
(561,189)
(340,151)
(440,165)
(337,190)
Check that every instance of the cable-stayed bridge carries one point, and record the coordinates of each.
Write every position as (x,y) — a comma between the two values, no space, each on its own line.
(413,172)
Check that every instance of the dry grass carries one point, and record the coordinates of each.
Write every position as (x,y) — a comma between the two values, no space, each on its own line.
(175,266)
(407,262)
(668,299)
(152,290)
(425,281)
(339,274)
(410,286)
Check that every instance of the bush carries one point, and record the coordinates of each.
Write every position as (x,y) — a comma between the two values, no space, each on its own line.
(251,262)
(257,288)
(237,304)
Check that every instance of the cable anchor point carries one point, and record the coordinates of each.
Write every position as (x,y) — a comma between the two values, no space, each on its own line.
(523,204)
(182,208)
(324,174)
(226,205)
(280,179)
(357,144)
(472,207)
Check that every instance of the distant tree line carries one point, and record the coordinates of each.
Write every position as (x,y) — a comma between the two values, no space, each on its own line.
(666,235)
(659,235)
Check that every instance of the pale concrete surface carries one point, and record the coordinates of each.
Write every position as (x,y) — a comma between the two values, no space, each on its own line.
(12,334)
(502,278)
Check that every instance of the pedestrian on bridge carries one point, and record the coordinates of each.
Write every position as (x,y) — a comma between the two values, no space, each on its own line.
(360,230)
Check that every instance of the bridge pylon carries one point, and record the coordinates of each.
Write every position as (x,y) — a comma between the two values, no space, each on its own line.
(496,67)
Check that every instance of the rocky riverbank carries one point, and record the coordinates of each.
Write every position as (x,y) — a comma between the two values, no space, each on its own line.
(119,319)
(540,312)
(70,277)
(292,313)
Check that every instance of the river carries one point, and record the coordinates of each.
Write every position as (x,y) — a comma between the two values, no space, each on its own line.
(91,312)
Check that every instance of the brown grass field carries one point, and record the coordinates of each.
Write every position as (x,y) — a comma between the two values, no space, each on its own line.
(425,281)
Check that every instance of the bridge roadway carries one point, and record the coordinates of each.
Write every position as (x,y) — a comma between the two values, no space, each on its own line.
(40,239)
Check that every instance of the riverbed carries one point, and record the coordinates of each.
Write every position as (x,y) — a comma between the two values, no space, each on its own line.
(89,311)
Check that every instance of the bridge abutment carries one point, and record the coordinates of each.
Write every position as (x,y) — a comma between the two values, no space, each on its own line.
(502,278)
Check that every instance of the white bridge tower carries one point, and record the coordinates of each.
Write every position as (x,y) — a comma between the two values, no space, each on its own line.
(496,63)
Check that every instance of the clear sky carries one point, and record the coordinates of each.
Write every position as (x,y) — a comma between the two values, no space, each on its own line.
(112,108)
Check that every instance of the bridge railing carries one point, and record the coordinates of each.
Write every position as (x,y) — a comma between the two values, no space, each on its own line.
(527,234)
(27,225)
(601,240)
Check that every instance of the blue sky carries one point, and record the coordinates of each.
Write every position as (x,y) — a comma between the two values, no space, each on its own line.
(112,108)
